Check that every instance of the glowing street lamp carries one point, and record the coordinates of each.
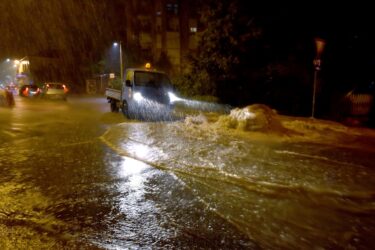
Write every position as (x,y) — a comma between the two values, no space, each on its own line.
(115,44)
(21,64)
(320,43)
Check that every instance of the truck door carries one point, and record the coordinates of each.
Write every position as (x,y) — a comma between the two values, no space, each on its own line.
(127,93)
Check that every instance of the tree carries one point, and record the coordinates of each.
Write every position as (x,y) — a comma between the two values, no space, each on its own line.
(227,42)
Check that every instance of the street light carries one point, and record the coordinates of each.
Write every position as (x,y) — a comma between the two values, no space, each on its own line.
(21,64)
(320,43)
(115,44)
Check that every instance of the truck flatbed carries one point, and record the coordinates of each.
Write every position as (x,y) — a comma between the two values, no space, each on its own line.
(113,93)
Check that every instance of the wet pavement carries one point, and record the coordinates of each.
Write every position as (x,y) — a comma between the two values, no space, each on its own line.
(63,187)
(75,176)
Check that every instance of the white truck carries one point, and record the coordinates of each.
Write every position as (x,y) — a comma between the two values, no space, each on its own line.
(142,89)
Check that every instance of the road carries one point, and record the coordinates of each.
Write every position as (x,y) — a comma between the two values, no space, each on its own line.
(75,176)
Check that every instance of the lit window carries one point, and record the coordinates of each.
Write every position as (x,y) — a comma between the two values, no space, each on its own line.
(193,29)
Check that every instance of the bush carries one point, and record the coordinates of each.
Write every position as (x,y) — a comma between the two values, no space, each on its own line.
(115,83)
(195,84)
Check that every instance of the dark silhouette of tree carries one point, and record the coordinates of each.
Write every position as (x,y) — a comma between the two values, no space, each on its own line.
(227,45)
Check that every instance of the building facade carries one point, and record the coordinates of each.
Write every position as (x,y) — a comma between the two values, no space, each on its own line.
(164,31)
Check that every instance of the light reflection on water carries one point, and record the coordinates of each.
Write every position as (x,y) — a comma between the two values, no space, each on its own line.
(277,199)
(134,187)
(136,221)
(280,196)
(131,167)
(141,151)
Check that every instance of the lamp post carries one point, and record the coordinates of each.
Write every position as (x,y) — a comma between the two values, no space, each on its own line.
(121,63)
(320,43)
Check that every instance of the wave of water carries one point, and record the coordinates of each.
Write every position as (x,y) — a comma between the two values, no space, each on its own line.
(277,197)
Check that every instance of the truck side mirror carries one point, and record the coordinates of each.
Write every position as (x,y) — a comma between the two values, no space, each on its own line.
(128,83)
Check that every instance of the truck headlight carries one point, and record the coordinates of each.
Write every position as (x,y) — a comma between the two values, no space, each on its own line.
(138,97)
(173,97)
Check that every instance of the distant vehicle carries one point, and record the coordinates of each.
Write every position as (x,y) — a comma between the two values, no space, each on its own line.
(55,90)
(29,90)
(143,88)
(12,88)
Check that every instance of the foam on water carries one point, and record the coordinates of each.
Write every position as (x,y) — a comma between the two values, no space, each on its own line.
(268,191)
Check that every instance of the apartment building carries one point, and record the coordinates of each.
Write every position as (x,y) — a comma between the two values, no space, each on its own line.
(162,28)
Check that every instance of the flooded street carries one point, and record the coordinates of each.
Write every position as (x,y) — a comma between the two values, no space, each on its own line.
(74,175)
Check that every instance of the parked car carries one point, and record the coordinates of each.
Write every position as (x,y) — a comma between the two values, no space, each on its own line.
(29,90)
(55,90)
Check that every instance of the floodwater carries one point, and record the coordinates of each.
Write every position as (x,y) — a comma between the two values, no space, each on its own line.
(75,175)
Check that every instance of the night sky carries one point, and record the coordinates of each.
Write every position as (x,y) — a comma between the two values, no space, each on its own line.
(347,28)
(84,28)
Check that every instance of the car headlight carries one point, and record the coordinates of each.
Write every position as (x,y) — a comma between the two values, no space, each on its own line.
(173,97)
(138,97)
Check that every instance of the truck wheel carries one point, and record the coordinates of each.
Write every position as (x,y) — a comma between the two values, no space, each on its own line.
(125,109)
(114,107)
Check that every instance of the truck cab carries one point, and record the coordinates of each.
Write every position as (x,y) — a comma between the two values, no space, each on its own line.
(143,89)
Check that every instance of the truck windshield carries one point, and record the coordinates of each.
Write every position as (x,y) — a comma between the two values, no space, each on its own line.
(151,79)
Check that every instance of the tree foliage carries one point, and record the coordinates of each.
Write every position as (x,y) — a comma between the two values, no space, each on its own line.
(229,32)
(228,39)
(246,56)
